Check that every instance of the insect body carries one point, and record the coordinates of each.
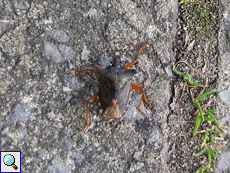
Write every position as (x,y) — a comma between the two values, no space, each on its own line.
(115,87)
(115,83)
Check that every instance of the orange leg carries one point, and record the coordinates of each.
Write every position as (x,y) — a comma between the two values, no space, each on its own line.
(87,110)
(97,66)
(81,71)
(133,62)
(138,87)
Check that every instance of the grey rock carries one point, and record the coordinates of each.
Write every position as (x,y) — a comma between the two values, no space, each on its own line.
(132,113)
(1,57)
(42,154)
(138,154)
(224,161)
(32,50)
(78,157)
(154,136)
(67,52)
(168,70)
(21,113)
(59,35)
(52,52)
(22,5)
(4,25)
(225,97)
(60,166)
(73,82)
(60,54)
(104,60)
(223,64)
(84,53)
(67,143)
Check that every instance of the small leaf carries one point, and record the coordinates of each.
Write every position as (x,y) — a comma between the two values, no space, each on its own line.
(209,112)
(211,150)
(214,131)
(197,124)
(208,119)
(187,75)
(196,84)
(200,110)
(205,138)
(177,72)
(205,94)
(200,152)
(203,168)
(209,159)
(213,155)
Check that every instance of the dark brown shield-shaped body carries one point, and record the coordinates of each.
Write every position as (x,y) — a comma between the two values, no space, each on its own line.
(115,86)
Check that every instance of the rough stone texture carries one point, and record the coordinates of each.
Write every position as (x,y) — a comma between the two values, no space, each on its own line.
(43,103)
(224,161)
(224,79)
(224,61)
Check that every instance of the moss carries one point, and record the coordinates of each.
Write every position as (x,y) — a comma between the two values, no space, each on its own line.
(200,17)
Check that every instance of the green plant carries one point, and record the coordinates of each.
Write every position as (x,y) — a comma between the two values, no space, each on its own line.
(210,154)
(200,116)
(206,137)
(200,17)
(190,81)
(203,168)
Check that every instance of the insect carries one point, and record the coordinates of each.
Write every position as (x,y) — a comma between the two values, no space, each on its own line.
(115,86)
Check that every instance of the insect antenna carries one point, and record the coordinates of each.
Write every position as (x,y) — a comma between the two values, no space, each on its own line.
(102,39)
(127,47)
(107,46)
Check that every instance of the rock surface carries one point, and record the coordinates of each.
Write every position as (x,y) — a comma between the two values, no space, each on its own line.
(43,102)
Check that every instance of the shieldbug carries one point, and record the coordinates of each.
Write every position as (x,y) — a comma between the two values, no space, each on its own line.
(115,85)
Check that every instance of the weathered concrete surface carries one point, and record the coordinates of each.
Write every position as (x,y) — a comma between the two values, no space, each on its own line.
(224,80)
(43,103)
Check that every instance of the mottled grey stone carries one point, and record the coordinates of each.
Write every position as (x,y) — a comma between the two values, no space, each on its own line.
(61,166)
(1,57)
(73,82)
(22,5)
(21,113)
(52,52)
(224,161)
(42,154)
(154,136)
(60,54)
(84,53)
(133,113)
(59,35)
(67,52)
(225,97)
(78,157)
(138,154)
(42,41)
(224,63)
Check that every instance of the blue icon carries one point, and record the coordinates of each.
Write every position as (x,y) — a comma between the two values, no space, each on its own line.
(9,160)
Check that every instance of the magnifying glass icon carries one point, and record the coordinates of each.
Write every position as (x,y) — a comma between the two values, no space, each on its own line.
(9,160)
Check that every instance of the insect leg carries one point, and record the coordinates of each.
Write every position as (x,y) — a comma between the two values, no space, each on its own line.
(133,62)
(97,66)
(81,71)
(87,110)
(138,87)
